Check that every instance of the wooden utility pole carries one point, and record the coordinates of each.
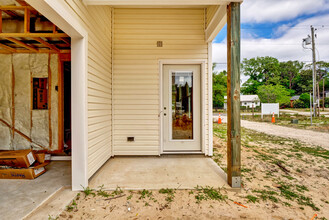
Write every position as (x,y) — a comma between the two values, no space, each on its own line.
(323,95)
(233,96)
(314,72)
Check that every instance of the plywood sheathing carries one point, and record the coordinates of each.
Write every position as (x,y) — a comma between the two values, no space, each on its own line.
(22,100)
(5,102)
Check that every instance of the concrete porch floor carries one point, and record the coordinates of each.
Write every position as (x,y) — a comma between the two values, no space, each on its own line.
(167,171)
(21,197)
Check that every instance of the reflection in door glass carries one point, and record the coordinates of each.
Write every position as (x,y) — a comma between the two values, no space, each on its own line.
(182,105)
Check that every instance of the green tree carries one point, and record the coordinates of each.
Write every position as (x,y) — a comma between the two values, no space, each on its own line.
(305,98)
(290,72)
(261,71)
(219,88)
(273,94)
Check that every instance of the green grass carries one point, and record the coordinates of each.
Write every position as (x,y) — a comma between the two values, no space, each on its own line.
(88,191)
(251,198)
(267,195)
(170,194)
(208,193)
(72,206)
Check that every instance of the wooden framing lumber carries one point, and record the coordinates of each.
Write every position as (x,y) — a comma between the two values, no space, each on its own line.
(65,40)
(49,103)
(7,48)
(32,35)
(45,43)
(13,8)
(233,96)
(22,2)
(39,51)
(0,21)
(11,13)
(13,96)
(27,20)
(20,43)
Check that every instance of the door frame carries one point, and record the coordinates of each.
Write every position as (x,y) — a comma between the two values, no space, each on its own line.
(202,63)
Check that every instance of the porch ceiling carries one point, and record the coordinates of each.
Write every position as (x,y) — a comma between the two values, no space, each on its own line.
(166,3)
(154,173)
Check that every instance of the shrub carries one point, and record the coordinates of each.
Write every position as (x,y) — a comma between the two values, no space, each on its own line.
(305,98)
(285,105)
(299,104)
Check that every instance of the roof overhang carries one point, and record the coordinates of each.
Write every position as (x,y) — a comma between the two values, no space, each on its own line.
(163,3)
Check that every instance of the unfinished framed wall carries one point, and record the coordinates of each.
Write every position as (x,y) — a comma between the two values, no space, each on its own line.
(29,47)
(30,103)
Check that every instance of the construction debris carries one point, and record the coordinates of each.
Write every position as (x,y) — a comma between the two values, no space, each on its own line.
(22,164)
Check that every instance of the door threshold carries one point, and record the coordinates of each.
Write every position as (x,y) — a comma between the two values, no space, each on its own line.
(183,152)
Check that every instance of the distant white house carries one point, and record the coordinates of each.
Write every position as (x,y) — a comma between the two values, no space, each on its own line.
(246,100)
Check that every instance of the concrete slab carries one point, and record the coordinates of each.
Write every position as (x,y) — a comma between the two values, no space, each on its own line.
(53,206)
(154,173)
(21,197)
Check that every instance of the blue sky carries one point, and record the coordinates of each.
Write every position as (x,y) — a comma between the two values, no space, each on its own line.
(276,28)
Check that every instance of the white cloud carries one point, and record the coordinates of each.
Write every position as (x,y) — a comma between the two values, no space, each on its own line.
(287,47)
(279,10)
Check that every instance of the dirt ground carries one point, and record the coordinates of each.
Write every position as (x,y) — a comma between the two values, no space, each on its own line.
(306,136)
(282,179)
(320,124)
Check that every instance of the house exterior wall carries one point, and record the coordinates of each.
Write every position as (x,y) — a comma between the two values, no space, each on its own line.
(211,10)
(97,21)
(136,75)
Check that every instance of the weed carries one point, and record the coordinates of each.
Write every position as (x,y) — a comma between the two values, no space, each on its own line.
(299,170)
(288,192)
(72,206)
(52,218)
(101,192)
(287,204)
(252,199)
(288,177)
(147,204)
(117,191)
(267,195)
(245,170)
(317,152)
(170,194)
(129,197)
(205,193)
(88,191)
(145,193)
(301,188)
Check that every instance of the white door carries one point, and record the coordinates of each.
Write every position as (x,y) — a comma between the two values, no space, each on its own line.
(181,108)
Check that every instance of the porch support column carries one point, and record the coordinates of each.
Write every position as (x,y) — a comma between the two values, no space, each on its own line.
(233,96)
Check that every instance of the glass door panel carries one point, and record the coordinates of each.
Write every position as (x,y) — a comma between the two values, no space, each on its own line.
(182,105)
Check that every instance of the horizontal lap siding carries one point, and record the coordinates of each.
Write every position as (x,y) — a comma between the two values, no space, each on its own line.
(136,69)
(97,21)
(211,10)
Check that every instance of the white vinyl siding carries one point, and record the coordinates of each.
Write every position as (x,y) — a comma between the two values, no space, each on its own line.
(136,70)
(211,10)
(97,21)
